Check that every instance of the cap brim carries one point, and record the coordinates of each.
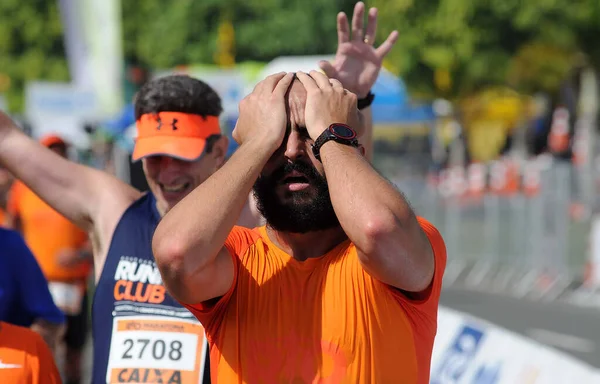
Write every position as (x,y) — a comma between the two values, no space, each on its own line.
(184,148)
(48,141)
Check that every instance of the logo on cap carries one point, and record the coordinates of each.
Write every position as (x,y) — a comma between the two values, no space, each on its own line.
(160,123)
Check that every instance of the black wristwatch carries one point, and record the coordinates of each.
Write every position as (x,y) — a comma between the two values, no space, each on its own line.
(340,133)
(367,101)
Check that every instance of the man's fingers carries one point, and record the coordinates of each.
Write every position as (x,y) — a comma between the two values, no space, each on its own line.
(336,84)
(308,82)
(321,80)
(371,32)
(284,84)
(357,21)
(387,45)
(343,29)
(269,83)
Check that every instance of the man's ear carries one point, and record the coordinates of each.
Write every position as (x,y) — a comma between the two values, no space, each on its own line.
(219,150)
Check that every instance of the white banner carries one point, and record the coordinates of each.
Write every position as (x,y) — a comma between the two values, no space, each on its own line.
(76,47)
(93,42)
(471,351)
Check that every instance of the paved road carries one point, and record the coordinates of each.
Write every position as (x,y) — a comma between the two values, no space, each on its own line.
(571,329)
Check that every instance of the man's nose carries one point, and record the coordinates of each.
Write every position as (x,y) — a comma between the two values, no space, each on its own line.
(295,146)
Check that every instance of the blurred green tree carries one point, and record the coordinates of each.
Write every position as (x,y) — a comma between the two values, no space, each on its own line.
(446,47)
(530,45)
(159,36)
(163,37)
(31,46)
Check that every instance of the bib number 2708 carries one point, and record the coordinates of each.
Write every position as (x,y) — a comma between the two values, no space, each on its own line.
(157,349)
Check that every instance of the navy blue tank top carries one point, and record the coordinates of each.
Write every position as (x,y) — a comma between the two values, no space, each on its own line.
(141,334)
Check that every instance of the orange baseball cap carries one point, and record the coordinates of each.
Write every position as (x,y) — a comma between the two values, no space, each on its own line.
(50,140)
(175,134)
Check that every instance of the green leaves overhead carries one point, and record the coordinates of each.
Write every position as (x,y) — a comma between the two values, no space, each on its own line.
(529,45)
(31,46)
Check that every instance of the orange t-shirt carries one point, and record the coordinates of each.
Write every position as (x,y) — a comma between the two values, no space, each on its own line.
(47,232)
(324,320)
(2,217)
(25,358)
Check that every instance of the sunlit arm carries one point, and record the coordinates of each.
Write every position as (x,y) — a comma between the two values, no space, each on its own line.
(391,245)
(78,192)
(188,242)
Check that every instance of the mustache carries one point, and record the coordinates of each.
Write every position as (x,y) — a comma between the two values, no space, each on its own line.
(306,169)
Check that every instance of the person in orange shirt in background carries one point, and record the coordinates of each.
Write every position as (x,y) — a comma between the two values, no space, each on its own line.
(25,358)
(64,254)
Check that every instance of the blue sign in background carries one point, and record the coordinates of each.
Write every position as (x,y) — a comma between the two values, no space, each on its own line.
(459,356)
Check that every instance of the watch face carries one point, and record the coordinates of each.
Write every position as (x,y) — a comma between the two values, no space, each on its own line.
(342,131)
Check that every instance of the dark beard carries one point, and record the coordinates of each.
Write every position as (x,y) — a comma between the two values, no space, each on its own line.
(298,213)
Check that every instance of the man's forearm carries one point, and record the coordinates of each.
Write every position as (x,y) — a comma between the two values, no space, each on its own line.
(365,203)
(196,228)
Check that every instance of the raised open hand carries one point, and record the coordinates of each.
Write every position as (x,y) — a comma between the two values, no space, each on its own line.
(357,62)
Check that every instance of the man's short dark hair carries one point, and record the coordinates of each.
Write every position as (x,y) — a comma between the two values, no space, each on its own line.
(179,93)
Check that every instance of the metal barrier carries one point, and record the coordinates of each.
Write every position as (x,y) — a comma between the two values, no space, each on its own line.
(509,226)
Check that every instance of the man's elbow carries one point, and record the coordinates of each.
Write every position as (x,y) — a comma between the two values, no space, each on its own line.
(166,251)
(177,270)
(402,253)
(169,255)
(377,230)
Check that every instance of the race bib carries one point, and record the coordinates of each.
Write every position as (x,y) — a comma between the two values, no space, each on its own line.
(67,297)
(156,350)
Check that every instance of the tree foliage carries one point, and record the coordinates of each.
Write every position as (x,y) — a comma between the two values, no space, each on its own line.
(529,45)
(161,37)
(465,45)
(31,46)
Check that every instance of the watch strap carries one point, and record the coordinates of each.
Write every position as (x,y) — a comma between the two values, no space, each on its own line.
(366,101)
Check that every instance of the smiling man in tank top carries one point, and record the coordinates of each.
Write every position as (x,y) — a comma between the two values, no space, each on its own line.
(140,333)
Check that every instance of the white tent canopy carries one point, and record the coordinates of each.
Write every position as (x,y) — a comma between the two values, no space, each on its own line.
(289,64)
(307,64)
(293,64)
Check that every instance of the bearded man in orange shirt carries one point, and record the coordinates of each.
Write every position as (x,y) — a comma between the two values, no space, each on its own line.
(342,285)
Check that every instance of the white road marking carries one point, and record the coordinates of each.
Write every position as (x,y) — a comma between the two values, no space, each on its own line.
(562,340)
